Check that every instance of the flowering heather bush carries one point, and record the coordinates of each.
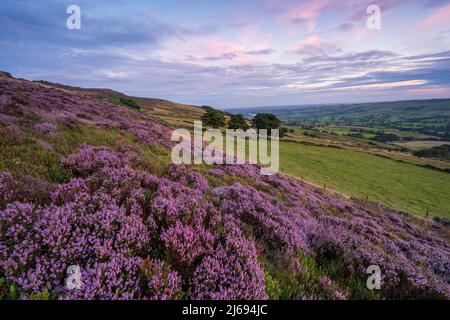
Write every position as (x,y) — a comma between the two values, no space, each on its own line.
(72,109)
(15,131)
(278,226)
(7,119)
(230,272)
(116,223)
(163,283)
(91,159)
(7,186)
(97,221)
(185,244)
(190,178)
(46,127)
(215,172)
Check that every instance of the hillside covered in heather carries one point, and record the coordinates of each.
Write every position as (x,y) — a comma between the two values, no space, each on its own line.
(88,182)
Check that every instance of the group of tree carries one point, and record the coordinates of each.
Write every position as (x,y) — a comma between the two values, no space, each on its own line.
(213,117)
(216,118)
(440,152)
(269,121)
(386,137)
(237,121)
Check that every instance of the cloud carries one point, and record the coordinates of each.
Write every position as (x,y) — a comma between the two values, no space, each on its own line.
(280,83)
(115,74)
(44,22)
(385,85)
(314,46)
(346,27)
(237,54)
(261,52)
(370,56)
(441,16)
(225,56)
(435,90)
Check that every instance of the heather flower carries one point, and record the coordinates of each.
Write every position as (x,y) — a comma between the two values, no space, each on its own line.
(186,244)
(163,283)
(181,174)
(7,119)
(7,186)
(330,287)
(46,127)
(115,279)
(215,172)
(231,272)
(281,228)
(45,145)
(90,159)
(14,130)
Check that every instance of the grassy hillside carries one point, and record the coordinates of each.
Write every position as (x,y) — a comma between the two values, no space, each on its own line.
(171,113)
(398,184)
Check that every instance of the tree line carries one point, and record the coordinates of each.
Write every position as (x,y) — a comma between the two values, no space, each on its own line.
(216,118)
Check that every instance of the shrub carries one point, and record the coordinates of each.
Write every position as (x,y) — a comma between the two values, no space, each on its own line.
(130,103)
(46,127)
(266,121)
(213,118)
(237,122)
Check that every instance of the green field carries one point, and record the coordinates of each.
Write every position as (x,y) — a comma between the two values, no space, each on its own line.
(401,185)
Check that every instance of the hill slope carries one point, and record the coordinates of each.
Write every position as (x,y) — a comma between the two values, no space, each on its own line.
(89,183)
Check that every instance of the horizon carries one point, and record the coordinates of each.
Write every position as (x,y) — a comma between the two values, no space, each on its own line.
(238,54)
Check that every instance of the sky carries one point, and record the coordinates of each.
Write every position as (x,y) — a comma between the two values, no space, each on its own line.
(234,53)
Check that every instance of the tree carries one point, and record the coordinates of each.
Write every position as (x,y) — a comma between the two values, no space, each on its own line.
(213,118)
(130,103)
(237,122)
(283,132)
(266,121)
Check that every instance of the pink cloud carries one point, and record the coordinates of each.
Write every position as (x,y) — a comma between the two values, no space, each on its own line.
(439,17)
(305,13)
(441,91)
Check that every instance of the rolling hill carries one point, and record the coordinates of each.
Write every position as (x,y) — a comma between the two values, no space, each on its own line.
(428,116)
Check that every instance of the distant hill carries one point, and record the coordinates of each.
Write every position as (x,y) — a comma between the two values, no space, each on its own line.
(427,116)
(155,106)
(171,113)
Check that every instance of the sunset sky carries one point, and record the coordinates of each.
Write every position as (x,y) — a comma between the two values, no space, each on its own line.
(234,53)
